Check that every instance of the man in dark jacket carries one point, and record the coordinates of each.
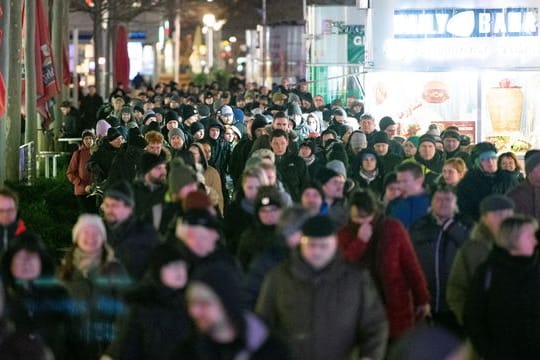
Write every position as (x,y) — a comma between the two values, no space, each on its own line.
(483,180)
(89,106)
(388,160)
(325,308)
(451,142)
(10,225)
(225,330)
(131,238)
(72,122)
(99,164)
(389,126)
(150,188)
(292,169)
(436,238)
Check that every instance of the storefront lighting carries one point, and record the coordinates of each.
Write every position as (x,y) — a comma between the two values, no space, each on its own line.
(363,4)
(233,39)
(136,4)
(101,61)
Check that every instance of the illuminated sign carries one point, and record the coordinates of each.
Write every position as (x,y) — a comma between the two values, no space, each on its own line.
(465,23)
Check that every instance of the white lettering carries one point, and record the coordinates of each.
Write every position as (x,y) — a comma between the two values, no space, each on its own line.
(484,23)
(500,24)
(442,20)
(514,22)
(530,22)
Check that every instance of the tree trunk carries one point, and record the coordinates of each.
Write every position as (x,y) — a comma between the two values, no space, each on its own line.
(30,80)
(57,46)
(4,68)
(14,94)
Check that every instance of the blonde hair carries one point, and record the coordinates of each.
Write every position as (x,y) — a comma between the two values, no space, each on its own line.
(458,164)
(511,229)
(154,137)
(255,172)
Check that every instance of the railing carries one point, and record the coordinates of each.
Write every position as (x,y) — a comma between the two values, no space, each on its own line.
(26,170)
(49,157)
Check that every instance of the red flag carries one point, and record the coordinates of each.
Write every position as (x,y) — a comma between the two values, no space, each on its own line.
(121,57)
(2,85)
(46,79)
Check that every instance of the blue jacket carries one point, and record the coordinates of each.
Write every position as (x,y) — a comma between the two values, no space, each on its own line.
(409,209)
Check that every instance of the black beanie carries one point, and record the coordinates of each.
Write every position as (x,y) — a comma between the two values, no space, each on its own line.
(162,255)
(496,202)
(259,121)
(135,138)
(267,196)
(319,226)
(196,126)
(224,281)
(380,137)
(171,116)
(121,191)
(150,161)
(153,126)
(325,174)
(386,122)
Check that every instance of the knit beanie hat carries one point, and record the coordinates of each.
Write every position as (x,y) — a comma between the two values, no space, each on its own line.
(112,134)
(225,110)
(496,202)
(415,140)
(239,115)
(148,115)
(532,159)
(201,217)
(358,140)
(427,137)
(259,121)
(85,220)
(319,226)
(338,166)
(386,122)
(203,110)
(293,109)
(268,196)
(150,161)
(180,175)
(126,109)
(325,174)
(314,185)
(196,200)
(292,219)
(121,191)
(162,255)
(196,126)
(171,116)
(102,126)
(380,137)
(224,282)
(451,134)
(176,131)
(188,111)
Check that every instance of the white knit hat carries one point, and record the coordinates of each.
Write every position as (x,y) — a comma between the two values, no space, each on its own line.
(89,220)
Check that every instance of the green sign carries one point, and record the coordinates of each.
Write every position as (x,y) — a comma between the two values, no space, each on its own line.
(355,48)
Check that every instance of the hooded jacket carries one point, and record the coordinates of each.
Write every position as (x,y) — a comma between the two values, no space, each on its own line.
(324,314)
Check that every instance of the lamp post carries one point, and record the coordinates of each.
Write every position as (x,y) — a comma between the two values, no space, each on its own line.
(209,20)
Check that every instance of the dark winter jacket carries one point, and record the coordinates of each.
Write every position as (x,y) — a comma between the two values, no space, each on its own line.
(72,124)
(19,346)
(147,197)
(254,240)
(125,164)
(256,344)
(292,172)
(502,313)
(239,215)
(99,305)
(100,162)
(526,199)
(468,258)
(324,314)
(238,159)
(8,233)
(376,184)
(435,164)
(157,321)
(476,185)
(436,246)
(390,258)
(132,241)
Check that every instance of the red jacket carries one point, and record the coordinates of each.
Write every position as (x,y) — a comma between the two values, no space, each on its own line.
(402,280)
(77,173)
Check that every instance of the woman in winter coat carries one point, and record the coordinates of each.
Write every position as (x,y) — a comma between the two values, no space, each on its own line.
(157,320)
(35,302)
(382,245)
(367,173)
(95,280)
(212,179)
(240,214)
(261,234)
(79,176)
(502,313)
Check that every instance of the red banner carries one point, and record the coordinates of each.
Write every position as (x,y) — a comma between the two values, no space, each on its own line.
(121,57)
(2,85)
(46,79)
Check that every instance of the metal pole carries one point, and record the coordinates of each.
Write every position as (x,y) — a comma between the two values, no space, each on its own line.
(14,94)
(264,40)
(56,40)
(75,63)
(4,68)
(210,46)
(30,75)
(177,46)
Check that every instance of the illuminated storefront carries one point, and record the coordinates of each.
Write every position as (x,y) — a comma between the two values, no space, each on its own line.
(475,64)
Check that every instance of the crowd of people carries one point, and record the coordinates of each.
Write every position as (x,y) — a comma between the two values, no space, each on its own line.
(262,223)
